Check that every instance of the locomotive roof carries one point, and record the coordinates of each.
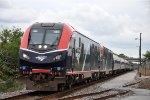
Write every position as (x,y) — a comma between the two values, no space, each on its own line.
(48,25)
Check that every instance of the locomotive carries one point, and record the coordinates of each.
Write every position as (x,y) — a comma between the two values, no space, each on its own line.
(55,55)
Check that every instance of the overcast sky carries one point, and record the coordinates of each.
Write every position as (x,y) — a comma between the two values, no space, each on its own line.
(113,23)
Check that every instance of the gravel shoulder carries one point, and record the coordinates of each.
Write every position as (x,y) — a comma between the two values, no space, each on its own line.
(15,93)
(144,82)
(138,87)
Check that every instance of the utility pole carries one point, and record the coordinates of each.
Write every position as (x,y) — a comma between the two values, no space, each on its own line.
(140,50)
(140,56)
(140,64)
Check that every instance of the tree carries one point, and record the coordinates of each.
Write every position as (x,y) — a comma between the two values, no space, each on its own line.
(122,55)
(9,52)
(147,55)
(4,36)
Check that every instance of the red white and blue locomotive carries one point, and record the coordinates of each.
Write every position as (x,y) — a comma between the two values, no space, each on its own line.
(55,55)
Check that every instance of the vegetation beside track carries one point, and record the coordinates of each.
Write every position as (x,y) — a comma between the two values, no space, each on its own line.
(9,58)
(10,85)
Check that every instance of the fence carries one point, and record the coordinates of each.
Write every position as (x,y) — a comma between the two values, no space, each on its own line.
(145,68)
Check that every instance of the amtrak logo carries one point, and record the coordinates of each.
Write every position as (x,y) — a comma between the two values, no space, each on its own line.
(41,58)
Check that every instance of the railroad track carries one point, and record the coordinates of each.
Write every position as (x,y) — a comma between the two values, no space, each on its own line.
(30,96)
(102,95)
(60,95)
(37,95)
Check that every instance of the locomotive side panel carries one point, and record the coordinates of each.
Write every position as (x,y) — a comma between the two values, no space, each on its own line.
(85,54)
(117,63)
(107,60)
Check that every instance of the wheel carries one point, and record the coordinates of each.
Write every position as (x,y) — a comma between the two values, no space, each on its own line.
(86,81)
(61,87)
(69,86)
(89,80)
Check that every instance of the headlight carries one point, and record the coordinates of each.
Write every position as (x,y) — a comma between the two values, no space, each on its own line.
(40,46)
(26,56)
(23,67)
(45,46)
(58,57)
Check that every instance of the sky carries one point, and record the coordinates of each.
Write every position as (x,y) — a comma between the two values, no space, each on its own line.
(113,23)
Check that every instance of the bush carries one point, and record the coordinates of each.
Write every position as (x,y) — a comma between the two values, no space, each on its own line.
(9,51)
(9,56)
(10,85)
(147,55)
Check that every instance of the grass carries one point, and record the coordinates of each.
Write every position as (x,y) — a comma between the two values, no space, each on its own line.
(10,85)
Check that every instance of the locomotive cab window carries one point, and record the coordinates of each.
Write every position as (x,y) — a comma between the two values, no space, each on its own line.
(41,36)
(52,37)
(36,36)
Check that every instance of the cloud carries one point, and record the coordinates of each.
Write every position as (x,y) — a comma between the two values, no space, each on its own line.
(17,15)
(5,4)
(13,14)
(92,18)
